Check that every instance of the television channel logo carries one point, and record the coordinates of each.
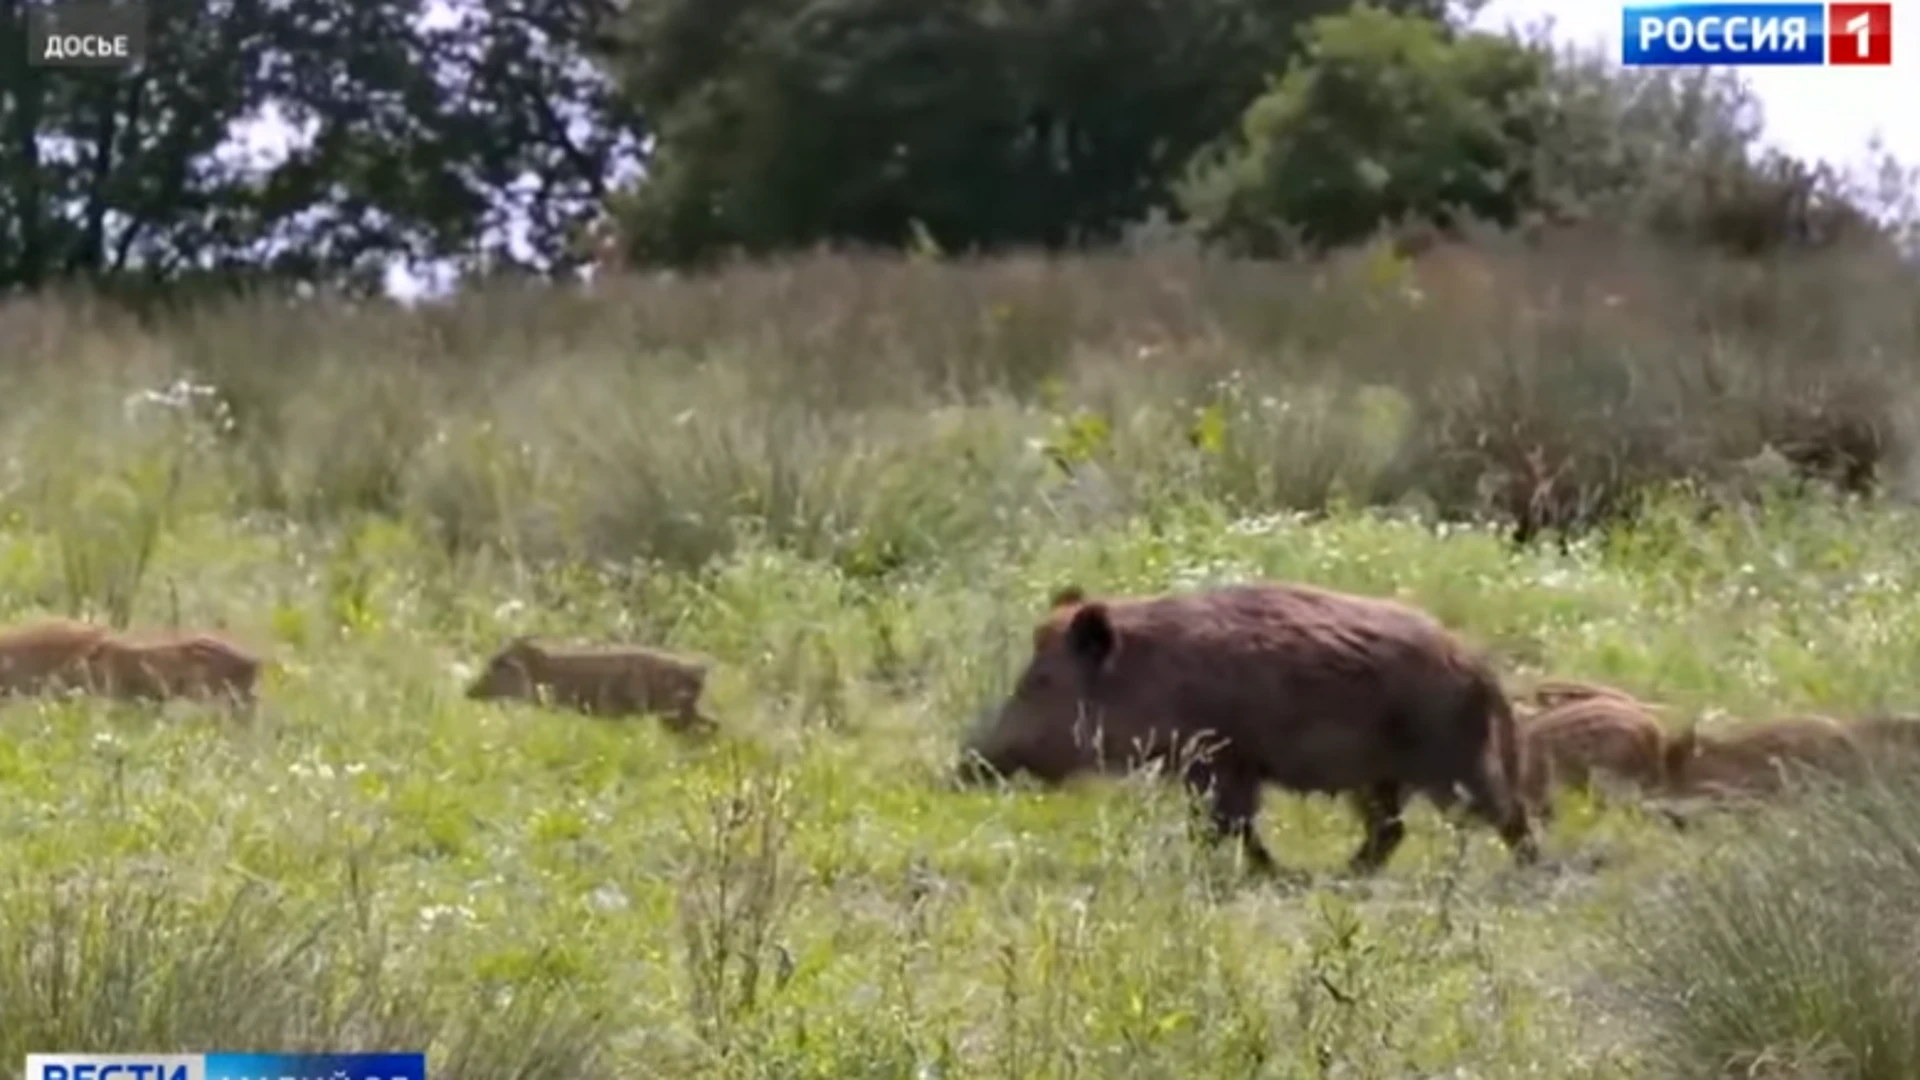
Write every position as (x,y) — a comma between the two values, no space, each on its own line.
(1751,34)
(115,1067)
(227,1066)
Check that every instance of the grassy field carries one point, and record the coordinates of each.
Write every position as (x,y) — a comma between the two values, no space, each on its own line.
(853,484)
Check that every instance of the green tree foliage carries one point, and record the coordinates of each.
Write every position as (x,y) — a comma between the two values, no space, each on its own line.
(1679,155)
(1383,118)
(434,133)
(1387,119)
(784,123)
(419,139)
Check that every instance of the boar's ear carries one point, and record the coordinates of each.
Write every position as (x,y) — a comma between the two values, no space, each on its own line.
(1091,636)
(1071,594)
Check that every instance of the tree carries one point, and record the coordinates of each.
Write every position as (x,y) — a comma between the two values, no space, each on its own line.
(1387,119)
(1678,155)
(785,123)
(1384,118)
(415,139)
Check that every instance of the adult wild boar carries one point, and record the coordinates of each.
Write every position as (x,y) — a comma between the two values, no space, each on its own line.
(605,680)
(1311,690)
(178,665)
(1586,736)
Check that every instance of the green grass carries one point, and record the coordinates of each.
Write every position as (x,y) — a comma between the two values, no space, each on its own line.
(854,511)
(1790,952)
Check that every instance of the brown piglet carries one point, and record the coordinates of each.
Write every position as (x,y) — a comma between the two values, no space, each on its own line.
(47,656)
(66,656)
(1573,743)
(1752,759)
(1553,693)
(604,680)
(190,665)
(1889,737)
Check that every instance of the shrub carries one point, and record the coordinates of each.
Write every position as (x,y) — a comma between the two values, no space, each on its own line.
(1792,952)
(878,413)
(125,963)
(1385,117)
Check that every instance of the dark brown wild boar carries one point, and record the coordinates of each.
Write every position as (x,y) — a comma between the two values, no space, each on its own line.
(605,680)
(158,667)
(1570,743)
(46,656)
(1754,759)
(1304,688)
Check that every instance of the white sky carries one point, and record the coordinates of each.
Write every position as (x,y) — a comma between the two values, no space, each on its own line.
(1813,113)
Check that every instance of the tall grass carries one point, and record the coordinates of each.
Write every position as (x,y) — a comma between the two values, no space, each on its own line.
(1793,952)
(878,412)
(851,482)
(132,962)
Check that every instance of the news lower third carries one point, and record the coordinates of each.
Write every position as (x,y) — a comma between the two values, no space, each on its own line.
(86,34)
(227,1066)
(1747,34)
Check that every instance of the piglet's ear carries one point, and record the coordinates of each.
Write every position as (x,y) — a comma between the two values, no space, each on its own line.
(1070,594)
(1091,637)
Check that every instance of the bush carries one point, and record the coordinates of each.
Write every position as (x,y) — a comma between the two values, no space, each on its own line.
(878,412)
(1385,118)
(1394,121)
(1792,952)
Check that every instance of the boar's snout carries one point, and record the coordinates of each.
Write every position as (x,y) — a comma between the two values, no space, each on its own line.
(495,682)
(979,764)
(509,673)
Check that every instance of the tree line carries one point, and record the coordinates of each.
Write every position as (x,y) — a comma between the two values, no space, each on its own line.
(533,136)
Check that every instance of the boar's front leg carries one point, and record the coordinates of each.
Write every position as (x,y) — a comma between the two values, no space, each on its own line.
(1233,804)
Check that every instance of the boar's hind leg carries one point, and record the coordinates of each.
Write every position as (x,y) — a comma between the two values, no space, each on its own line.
(1233,804)
(1380,806)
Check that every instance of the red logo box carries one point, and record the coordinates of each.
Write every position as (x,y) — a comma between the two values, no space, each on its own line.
(1860,34)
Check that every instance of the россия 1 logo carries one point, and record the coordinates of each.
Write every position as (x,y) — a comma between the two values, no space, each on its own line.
(227,1066)
(1734,34)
